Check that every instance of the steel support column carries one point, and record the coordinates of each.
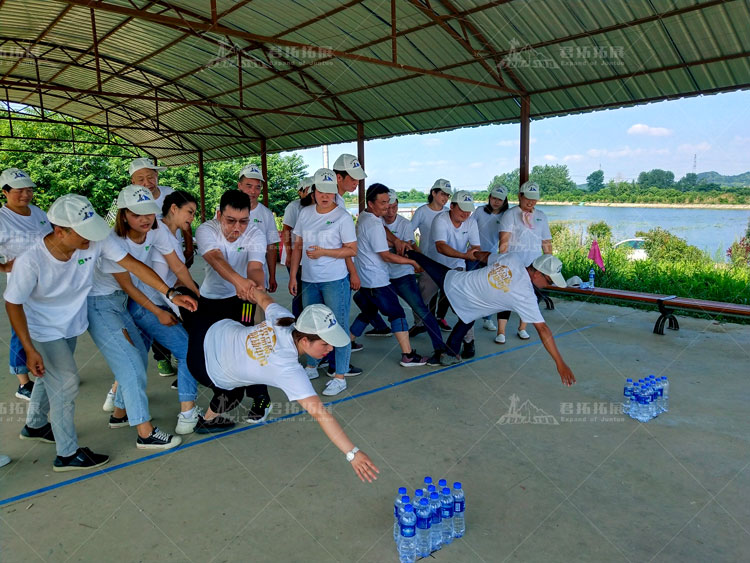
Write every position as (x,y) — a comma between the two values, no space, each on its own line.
(202,184)
(361,157)
(525,122)
(264,169)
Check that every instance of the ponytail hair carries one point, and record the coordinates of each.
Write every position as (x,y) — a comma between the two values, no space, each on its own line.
(180,198)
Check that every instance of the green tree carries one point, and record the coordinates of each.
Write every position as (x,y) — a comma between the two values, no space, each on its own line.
(601,232)
(510,180)
(656,178)
(595,181)
(552,178)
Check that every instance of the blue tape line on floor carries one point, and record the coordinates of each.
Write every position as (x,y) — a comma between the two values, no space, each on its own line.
(213,437)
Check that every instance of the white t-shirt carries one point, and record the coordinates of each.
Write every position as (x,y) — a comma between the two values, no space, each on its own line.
(371,239)
(525,242)
(291,213)
(53,292)
(160,266)
(458,238)
(401,229)
(249,247)
(264,354)
(340,201)
(422,221)
(489,229)
(326,230)
(262,219)
(164,191)
(504,285)
(19,232)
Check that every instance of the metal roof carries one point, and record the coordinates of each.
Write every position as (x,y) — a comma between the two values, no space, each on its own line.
(225,76)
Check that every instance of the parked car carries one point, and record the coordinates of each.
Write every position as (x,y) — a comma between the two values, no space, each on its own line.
(636,248)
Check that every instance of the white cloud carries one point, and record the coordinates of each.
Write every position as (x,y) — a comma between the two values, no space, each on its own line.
(573,157)
(700,147)
(550,157)
(643,129)
(476,164)
(432,141)
(625,152)
(741,140)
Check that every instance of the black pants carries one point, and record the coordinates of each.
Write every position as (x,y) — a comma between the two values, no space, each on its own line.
(197,324)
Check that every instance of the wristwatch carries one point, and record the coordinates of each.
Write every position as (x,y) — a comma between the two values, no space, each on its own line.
(350,455)
(171,292)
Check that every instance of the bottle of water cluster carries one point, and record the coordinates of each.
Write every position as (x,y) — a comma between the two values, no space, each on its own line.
(396,531)
(427,482)
(446,506)
(436,525)
(431,489)
(398,505)
(459,507)
(665,393)
(407,545)
(627,394)
(424,519)
(442,483)
(591,278)
(644,398)
(418,495)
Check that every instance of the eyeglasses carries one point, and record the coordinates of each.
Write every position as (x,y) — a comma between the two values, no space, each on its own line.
(231,221)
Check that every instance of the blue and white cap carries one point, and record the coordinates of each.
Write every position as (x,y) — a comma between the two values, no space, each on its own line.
(16,179)
(140,163)
(392,197)
(443,185)
(76,212)
(464,200)
(500,192)
(530,190)
(320,320)
(252,172)
(325,181)
(350,164)
(138,200)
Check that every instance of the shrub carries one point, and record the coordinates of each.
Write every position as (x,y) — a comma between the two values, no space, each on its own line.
(601,232)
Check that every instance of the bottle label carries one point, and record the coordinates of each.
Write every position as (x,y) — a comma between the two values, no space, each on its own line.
(436,517)
(423,523)
(459,505)
(407,531)
(447,511)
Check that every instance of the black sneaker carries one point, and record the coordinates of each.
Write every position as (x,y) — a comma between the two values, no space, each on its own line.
(416,330)
(353,370)
(24,391)
(379,332)
(444,326)
(84,458)
(121,422)
(259,411)
(323,363)
(469,351)
(43,434)
(356,347)
(158,440)
(218,424)
(434,360)
(174,385)
(412,359)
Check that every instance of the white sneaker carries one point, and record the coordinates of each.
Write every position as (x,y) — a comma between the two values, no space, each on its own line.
(4,460)
(187,425)
(523,335)
(489,324)
(109,402)
(312,372)
(500,339)
(335,386)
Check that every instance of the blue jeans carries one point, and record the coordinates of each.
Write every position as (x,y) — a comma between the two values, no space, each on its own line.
(336,295)
(408,289)
(173,338)
(127,356)
(17,356)
(54,395)
(372,300)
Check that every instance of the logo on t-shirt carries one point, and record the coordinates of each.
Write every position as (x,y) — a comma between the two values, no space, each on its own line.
(240,248)
(257,221)
(260,342)
(329,222)
(83,260)
(42,222)
(499,277)
(147,247)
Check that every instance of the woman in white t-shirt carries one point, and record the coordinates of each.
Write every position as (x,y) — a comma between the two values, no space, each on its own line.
(228,356)
(324,237)
(291,212)
(21,224)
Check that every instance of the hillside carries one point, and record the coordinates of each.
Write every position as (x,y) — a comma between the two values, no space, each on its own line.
(740,180)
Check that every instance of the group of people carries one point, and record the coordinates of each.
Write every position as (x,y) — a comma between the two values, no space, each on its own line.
(130,286)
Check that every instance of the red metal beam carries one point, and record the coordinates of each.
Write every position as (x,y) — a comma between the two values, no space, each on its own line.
(96,50)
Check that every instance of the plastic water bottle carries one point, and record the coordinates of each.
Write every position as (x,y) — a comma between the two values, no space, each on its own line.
(424,519)
(427,482)
(436,525)
(442,484)
(591,278)
(407,545)
(431,489)
(627,395)
(398,505)
(404,501)
(654,399)
(418,495)
(643,397)
(665,393)
(446,507)
(459,507)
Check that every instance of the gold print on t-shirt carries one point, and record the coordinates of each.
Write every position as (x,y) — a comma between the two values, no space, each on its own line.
(499,277)
(260,342)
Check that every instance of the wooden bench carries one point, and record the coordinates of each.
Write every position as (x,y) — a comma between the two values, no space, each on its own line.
(666,304)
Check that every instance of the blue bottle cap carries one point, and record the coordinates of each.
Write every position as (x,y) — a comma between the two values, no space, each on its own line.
(457,485)
(408,508)
(431,489)
(629,380)
(446,491)
(418,493)
(434,496)
(428,480)
(442,483)
(405,499)
(402,490)
(424,502)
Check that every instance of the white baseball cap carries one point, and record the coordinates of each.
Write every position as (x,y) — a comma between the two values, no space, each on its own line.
(76,212)
(349,164)
(252,171)
(320,320)
(16,179)
(305,183)
(140,163)
(392,196)
(138,200)
(530,190)
(500,192)
(443,185)
(325,181)
(464,200)
(551,266)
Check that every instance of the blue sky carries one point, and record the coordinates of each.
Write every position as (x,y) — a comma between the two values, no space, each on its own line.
(624,141)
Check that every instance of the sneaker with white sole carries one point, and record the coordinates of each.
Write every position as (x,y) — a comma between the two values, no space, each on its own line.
(165,368)
(489,324)
(412,359)
(312,372)
(24,391)
(84,458)
(356,347)
(335,386)
(500,339)
(158,440)
(353,371)
(186,425)
(109,402)
(523,335)
(121,422)
(448,360)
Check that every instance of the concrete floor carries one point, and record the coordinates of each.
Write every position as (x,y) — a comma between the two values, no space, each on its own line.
(578,483)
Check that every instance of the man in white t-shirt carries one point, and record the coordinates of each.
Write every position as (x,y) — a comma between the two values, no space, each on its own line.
(348,172)
(251,182)
(46,304)
(505,284)
(234,250)
(376,295)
